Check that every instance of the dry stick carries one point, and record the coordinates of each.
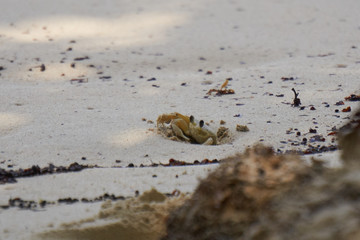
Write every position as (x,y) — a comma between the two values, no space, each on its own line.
(296,102)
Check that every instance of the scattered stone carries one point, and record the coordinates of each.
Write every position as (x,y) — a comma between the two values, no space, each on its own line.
(348,109)
(312,130)
(242,128)
(353,98)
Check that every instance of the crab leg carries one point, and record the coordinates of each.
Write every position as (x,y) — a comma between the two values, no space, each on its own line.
(210,141)
(178,129)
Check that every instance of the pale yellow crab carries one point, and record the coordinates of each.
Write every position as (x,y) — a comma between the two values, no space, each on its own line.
(188,128)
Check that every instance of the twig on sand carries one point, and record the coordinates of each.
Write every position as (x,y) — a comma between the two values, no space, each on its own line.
(296,101)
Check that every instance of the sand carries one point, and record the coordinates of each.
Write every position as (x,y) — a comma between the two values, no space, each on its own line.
(85,82)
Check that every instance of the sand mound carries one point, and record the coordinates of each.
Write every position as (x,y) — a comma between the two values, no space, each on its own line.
(142,217)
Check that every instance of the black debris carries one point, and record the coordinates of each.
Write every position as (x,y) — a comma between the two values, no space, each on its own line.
(312,130)
(105,77)
(9,176)
(296,101)
(81,58)
(287,78)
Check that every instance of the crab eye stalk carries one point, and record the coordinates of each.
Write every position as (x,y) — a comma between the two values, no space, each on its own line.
(192,119)
(201,123)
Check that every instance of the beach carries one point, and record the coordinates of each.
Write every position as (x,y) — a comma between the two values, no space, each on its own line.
(85,83)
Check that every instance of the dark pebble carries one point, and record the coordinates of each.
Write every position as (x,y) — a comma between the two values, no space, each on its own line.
(312,130)
(339,103)
(105,77)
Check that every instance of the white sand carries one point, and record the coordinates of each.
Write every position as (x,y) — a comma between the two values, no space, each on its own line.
(45,118)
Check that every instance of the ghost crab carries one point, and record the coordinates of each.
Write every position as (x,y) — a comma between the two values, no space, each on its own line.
(188,128)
